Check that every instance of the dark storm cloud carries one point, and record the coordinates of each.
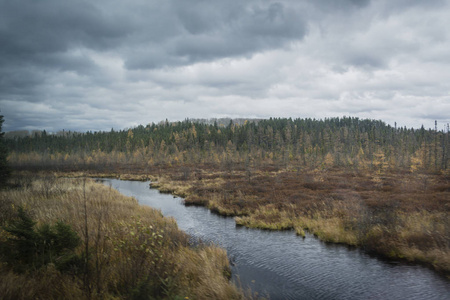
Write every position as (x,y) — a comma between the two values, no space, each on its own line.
(146,34)
(36,37)
(150,34)
(207,30)
(31,28)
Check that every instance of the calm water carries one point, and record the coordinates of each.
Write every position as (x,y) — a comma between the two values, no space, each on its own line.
(284,266)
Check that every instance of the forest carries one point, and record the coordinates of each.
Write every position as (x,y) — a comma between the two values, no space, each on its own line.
(346,180)
(350,143)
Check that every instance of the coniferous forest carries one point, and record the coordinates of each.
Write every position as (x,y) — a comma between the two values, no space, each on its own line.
(349,143)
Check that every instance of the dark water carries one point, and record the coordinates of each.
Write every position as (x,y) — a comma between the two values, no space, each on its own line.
(284,266)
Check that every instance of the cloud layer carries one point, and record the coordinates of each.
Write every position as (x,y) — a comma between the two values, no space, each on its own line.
(84,65)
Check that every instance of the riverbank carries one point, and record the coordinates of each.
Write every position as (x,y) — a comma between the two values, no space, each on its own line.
(396,215)
(125,250)
(280,265)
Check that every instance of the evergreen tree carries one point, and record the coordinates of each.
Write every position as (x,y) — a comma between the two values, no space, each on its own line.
(346,142)
(4,168)
(29,248)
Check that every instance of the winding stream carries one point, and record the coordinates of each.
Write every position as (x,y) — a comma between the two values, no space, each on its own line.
(284,266)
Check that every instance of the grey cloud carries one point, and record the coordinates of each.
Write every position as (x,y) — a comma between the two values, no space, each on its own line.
(143,60)
(153,57)
(365,60)
(36,27)
(18,81)
(36,37)
(218,29)
(28,115)
(345,5)
(199,17)
(393,7)
(147,34)
(247,18)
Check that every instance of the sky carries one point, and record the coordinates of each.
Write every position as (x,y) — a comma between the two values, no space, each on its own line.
(97,65)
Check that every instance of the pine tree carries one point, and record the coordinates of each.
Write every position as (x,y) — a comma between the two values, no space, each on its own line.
(4,168)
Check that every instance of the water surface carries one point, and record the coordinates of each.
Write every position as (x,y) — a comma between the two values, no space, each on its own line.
(284,266)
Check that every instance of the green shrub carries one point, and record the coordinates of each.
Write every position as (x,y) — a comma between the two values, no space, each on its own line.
(28,248)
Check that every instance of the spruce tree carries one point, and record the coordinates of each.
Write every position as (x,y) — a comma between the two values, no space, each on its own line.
(4,168)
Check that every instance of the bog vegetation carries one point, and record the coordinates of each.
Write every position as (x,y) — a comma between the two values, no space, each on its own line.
(347,180)
(77,239)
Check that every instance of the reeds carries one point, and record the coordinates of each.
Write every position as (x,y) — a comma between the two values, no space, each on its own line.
(130,251)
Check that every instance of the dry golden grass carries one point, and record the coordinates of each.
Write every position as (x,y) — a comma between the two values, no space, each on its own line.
(267,217)
(400,215)
(36,286)
(132,249)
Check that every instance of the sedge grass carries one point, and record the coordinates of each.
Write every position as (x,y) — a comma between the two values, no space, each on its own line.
(133,250)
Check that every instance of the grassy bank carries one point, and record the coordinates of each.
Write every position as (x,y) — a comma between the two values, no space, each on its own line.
(126,251)
(397,215)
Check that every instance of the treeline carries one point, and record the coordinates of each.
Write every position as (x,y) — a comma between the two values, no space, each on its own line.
(296,143)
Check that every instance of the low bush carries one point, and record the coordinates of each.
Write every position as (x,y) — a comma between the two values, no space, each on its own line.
(28,248)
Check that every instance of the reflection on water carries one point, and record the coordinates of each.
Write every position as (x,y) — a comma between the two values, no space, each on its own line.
(285,266)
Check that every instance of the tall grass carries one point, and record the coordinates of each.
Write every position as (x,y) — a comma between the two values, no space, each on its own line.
(130,251)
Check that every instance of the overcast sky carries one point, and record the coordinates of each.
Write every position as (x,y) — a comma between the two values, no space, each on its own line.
(97,65)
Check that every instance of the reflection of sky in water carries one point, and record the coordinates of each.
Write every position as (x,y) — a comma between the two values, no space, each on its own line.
(289,267)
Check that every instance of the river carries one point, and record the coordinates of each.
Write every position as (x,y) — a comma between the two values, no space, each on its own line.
(285,266)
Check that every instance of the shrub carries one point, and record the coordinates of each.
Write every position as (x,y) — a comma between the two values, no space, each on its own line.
(27,248)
